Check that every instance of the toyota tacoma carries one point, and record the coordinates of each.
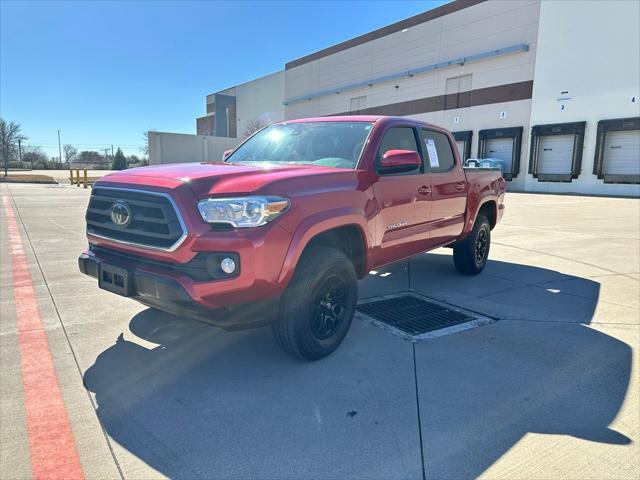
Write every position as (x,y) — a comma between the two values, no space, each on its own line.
(280,231)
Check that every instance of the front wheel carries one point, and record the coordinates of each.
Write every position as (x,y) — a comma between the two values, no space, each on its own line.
(471,254)
(317,308)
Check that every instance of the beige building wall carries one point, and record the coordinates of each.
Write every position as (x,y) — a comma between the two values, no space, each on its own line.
(591,50)
(260,100)
(480,28)
(165,147)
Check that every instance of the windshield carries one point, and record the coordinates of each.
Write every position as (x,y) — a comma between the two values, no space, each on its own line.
(331,144)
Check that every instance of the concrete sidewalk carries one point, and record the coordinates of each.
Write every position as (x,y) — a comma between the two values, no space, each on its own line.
(549,391)
(62,175)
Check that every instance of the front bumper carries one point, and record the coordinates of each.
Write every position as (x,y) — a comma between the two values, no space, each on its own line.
(168,294)
(173,280)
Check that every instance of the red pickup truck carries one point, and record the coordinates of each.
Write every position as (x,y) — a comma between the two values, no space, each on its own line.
(281,230)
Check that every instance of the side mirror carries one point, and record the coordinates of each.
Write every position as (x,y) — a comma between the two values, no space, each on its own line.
(226,154)
(396,161)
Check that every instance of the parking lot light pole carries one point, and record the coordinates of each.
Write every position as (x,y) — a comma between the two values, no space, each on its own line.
(59,149)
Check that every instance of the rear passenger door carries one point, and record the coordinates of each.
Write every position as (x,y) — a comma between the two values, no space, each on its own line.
(449,187)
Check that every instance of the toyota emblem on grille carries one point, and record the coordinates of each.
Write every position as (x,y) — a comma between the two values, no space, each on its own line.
(120,213)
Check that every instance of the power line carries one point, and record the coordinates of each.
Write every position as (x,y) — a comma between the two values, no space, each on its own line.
(94,146)
(42,144)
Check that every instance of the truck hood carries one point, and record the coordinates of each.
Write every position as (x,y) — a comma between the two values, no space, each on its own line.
(220,178)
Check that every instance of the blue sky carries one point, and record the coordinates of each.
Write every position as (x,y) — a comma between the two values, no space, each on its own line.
(104,72)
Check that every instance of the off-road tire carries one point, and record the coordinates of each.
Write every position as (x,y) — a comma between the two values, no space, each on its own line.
(298,328)
(466,255)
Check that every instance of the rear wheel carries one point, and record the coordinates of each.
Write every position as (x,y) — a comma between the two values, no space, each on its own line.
(471,254)
(317,308)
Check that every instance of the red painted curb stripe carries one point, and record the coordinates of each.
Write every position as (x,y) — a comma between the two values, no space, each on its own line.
(53,449)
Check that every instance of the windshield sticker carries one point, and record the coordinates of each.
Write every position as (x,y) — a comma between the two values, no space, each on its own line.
(433,153)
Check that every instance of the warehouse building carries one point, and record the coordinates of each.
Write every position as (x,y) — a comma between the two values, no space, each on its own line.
(238,110)
(549,88)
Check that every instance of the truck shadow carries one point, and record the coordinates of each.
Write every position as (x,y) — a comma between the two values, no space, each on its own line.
(204,403)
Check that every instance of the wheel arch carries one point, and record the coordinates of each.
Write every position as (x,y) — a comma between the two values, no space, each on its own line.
(346,229)
(487,206)
(489,209)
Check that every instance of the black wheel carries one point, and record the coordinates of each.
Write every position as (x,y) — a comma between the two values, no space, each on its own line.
(471,254)
(317,308)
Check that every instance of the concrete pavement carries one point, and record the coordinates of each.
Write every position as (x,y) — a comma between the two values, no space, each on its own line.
(549,391)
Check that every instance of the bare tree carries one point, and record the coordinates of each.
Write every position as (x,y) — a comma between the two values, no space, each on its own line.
(253,126)
(9,137)
(144,148)
(36,157)
(70,153)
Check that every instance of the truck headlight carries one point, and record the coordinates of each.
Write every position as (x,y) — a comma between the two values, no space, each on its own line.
(242,211)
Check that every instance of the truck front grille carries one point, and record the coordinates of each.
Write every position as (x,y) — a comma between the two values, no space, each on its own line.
(148,219)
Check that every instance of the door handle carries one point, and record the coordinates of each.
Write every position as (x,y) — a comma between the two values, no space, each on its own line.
(460,186)
(424,190)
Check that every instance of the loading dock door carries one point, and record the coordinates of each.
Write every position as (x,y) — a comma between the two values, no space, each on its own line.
(556,151)
(505,144)
(502,149)
(555,155)
(621,154)
(617,155)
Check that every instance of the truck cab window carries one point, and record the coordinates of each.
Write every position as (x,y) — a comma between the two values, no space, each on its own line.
(437,149)
(397,138)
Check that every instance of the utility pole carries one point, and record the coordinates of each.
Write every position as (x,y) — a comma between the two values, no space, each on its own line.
(106,155)
(112,154)
(59,149)
(20,154)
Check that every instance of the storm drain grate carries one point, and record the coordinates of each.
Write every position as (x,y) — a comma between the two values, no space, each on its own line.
(417,316)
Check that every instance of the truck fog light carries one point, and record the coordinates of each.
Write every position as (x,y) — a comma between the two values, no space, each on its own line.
(228,265)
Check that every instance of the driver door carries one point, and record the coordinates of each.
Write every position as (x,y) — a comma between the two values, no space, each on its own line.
(404,201)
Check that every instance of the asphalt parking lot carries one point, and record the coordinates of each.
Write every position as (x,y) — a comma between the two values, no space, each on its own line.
(550,390)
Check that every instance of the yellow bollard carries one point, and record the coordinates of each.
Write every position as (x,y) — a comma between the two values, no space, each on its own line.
(85,178)
(71,175)
(78,177)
